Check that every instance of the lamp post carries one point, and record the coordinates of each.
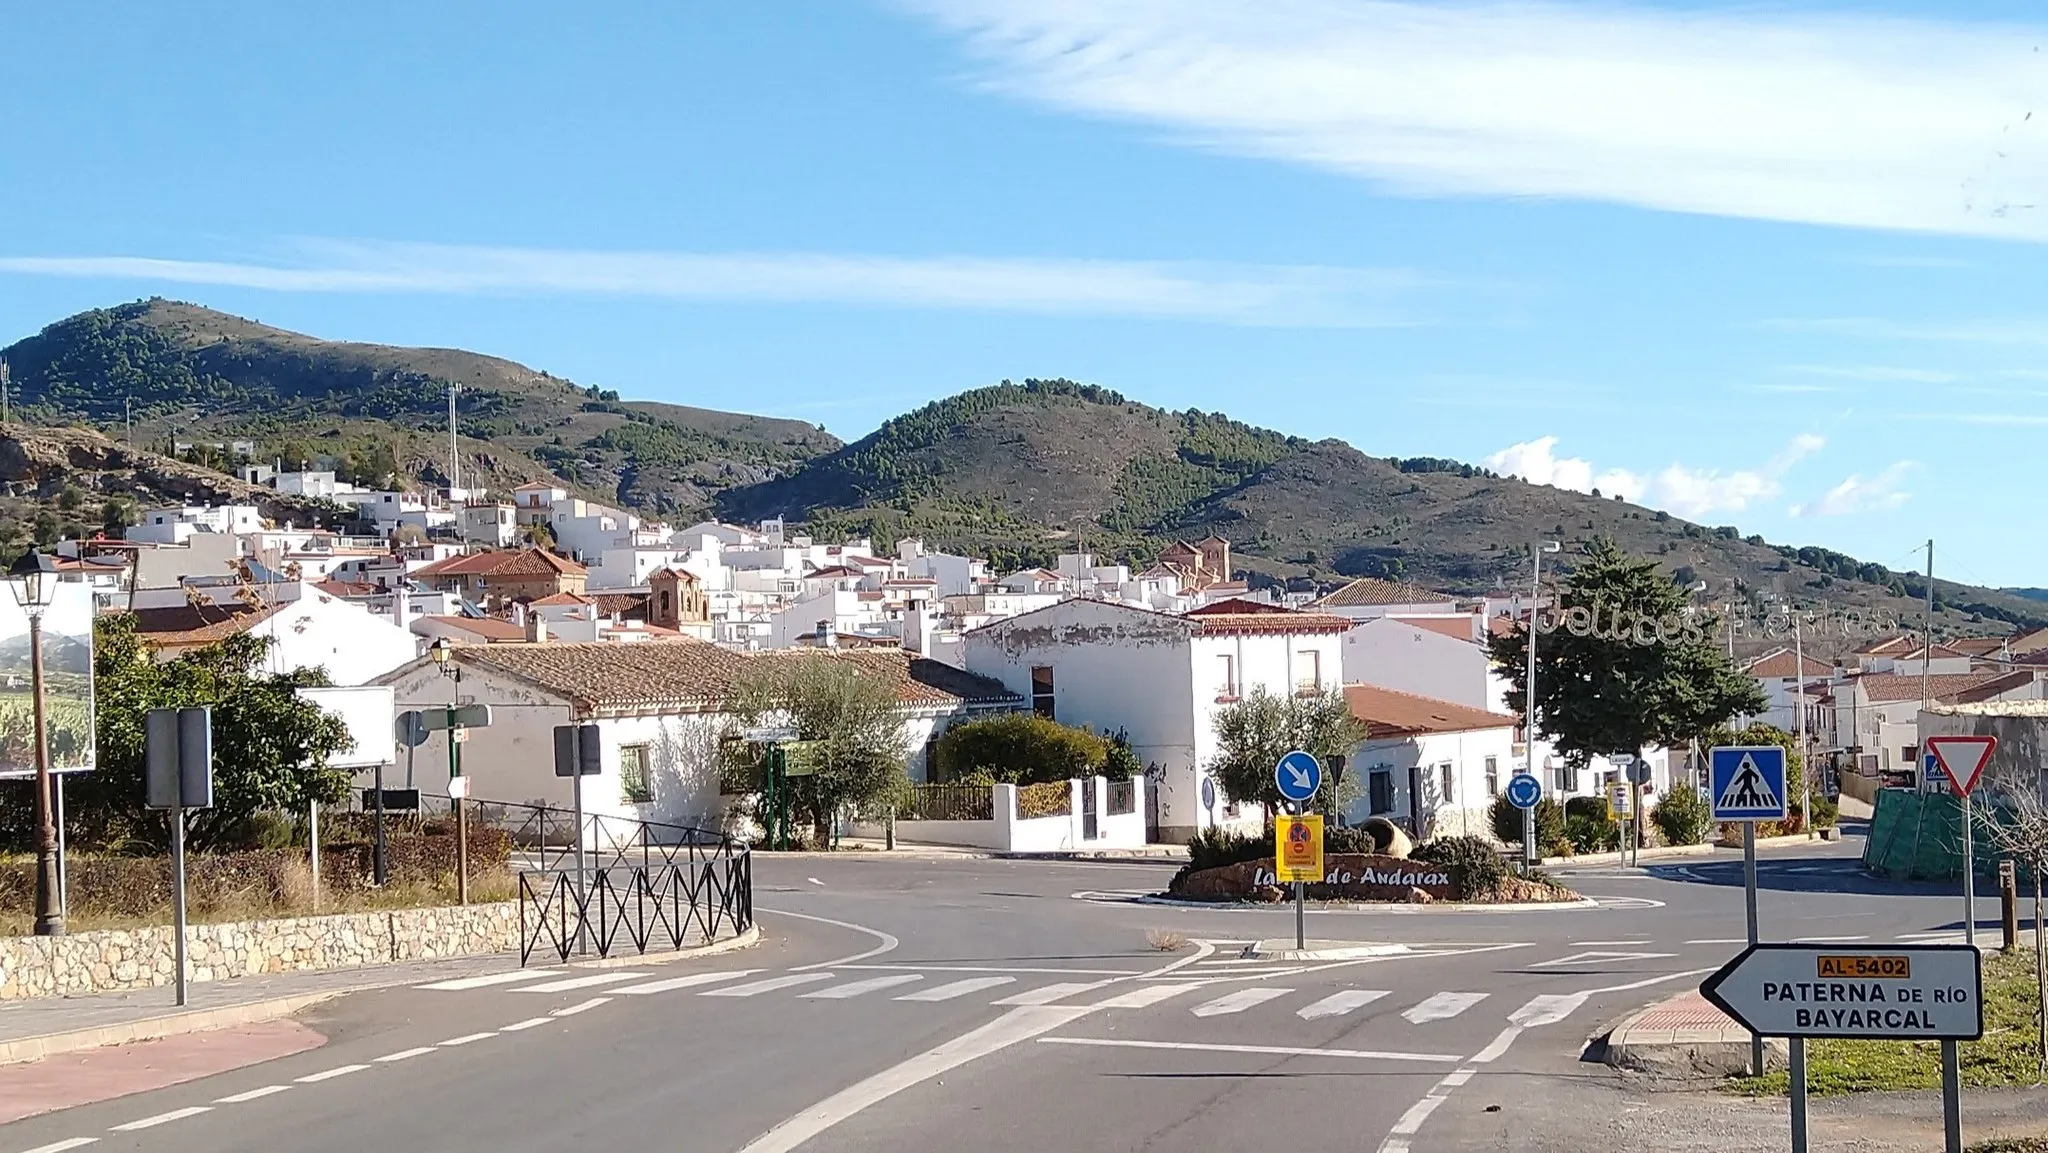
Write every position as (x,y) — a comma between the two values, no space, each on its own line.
(1529,697)
(442,654)
(34,588)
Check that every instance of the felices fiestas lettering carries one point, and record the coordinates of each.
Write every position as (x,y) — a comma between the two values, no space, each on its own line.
(1852,1005)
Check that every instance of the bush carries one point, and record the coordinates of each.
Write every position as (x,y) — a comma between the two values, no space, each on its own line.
(1590,836)
(1474,863)
(1352,839)
(1507,824)
(1683,817)
(1826,811)
(1214,848)
(1591,808)
(1120,762)
(1021,748)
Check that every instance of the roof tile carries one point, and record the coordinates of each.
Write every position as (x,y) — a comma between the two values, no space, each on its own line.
(1390,712)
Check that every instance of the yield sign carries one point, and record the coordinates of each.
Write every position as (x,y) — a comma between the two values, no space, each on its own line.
(1962,758)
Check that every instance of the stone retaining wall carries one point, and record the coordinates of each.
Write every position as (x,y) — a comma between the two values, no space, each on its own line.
(106,960)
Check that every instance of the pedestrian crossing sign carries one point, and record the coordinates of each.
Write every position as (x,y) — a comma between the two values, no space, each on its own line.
(1298,849)
(1747,783)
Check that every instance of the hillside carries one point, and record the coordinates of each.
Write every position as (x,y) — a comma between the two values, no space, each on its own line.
(1020,471)
(193,374)
(1017,472)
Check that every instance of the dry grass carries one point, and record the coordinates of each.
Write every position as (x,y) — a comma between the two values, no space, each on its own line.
(1166,940)
(294,900)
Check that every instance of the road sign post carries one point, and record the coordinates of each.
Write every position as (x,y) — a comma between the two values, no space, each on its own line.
(178,775)
(1298,857)
(578,754)
(1963,758)
(1883,992)
(1524,791)
(1298,775)
(1746,784)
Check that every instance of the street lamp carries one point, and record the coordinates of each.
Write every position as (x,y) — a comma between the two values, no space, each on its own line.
(34,588)
(1529,696)
(1799,717)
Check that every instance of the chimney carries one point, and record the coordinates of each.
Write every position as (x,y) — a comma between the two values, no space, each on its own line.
(536,628)
(401,606)
(917,628)
(826,637)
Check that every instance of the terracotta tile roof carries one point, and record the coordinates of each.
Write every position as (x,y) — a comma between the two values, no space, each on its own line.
(1896,687)
(503,563)
(1884,646)
(863,561)
(1941,650)
(1975,646)
(348,588)
(1225,617)
(691,674)
(555,599)
(625,606)
(1998,684)
(1457,628)
(1234,606)
(1502,626)
(483,628)
(1391,713)
(836,572)
(1367,591)
(184,626)
(1779,663)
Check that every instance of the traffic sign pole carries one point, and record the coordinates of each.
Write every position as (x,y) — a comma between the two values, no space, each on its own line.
(1963,758)
(1756,1039)
(1796,1059)
(1951,1098)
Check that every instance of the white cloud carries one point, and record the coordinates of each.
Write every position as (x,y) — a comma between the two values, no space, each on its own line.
(1689,492)
(1857,494)
(1844,119)
(1247,294)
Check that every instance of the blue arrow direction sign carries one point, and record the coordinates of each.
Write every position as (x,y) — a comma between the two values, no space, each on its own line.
(1524,791)
(1298,776)
(1747,782)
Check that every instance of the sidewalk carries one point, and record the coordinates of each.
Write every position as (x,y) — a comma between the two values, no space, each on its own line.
(1685,1036)
(1710,848)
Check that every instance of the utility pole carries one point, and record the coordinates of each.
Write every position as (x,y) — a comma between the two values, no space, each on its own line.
(3,390)
(454,449)
(1927,637)
(1536,551)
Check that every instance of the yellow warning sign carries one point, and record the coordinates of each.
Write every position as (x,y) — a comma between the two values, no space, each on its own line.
(1621,801)
(1297,849)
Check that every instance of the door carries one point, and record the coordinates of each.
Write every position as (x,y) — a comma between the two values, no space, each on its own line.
(1089,809)
(1415,802)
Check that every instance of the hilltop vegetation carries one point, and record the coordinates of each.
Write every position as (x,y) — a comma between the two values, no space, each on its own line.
(1017,471)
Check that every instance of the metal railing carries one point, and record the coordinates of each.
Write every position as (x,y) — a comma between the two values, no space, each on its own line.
(949,803)
(1123,798)
(649,906)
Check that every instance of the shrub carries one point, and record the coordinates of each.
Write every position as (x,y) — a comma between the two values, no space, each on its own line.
(1590,836)
(1214,848)
(1120,762)
(1507,824)
(1826,811)
(1020,748)
(1592,808)
(1683,817)
(1351,839)
(1474,863)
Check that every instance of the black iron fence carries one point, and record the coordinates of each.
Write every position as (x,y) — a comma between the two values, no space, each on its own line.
(693,900)
(949,803)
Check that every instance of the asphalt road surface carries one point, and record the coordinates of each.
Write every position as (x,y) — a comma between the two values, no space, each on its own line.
(910,1005)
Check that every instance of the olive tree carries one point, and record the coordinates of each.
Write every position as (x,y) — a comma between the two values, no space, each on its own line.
(1254,733)
(850,722)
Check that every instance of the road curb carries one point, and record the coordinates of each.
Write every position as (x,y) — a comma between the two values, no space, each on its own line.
(1278,949)
(168,1025)
(1169,855)
(1706,850)
(1355,907)
(1682,1036)
(746,940)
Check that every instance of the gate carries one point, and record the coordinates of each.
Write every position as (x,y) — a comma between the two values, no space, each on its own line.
(1090,821)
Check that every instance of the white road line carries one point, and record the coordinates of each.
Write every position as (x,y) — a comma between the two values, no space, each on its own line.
(689,982)
(1145,995)
(1049,993)
(997,969)
(1262,1050)
(1411,1121)
(856,988)
(406,1054)
(1237,1002)
(1610,942)
(1547,1009)
(1018,1025)
(529,1023)
(490,979)
(467,1038)
(162,1119)
(330,1074)
(888,942)
(1458,1077)
(61,1146)
(1827,940)
(1441,1007)
(590,981)
(957,989)
(1596,957)
(753,988)
(1337,1004)
(580,1007)
(1498,1046)
(251,1095)
(1720,941)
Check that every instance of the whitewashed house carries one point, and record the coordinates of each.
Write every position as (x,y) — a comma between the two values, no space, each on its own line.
(1161,678)
(307,628)
(1431,657)
(176,524)
(1432,766)
(661,710)
(1369,597)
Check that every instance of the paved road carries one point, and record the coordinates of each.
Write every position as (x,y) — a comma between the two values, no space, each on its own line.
(911,1005)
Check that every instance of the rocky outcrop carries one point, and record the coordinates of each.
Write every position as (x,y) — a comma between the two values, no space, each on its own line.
(38,462)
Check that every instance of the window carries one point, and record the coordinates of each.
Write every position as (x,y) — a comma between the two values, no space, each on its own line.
(1226,690)
(1041,691)
(1567,778)
(1382,791)
(636,787)
(1493,776)
(1311,679)
(664,604)
(1447,774)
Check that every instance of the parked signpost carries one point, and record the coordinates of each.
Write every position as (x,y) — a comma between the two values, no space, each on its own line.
(578,754)
(457,719)
(178,775)
(1298,775)
(1963,759)
(1746,784)
(1524,792)
(1621,807)
(1884,992)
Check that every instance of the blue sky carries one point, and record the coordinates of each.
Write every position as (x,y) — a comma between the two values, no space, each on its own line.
(1776,266)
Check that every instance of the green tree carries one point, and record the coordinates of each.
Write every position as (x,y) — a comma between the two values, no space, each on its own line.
(1021,748)
(115,517)
(270,748)
(1254,733)
(1600,695)
(851,724)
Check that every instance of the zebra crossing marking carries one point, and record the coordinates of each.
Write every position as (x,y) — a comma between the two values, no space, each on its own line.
(567,983)
(957,989)
(1441,1007)
(1238,1002)
(1337,1004)
(1145,996)
(489,979)
(856,988)
(689,982)
(1050,993)
(754,988)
